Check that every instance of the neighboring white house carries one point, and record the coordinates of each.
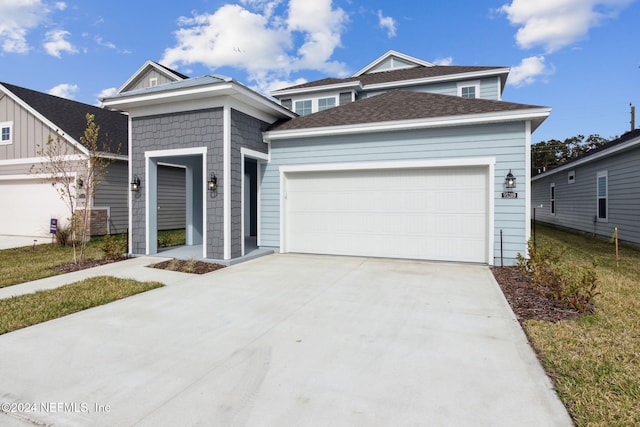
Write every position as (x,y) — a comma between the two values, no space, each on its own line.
(419,170)
(596,192)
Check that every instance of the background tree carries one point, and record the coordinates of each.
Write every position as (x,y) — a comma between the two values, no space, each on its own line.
(551,153)
(76,174)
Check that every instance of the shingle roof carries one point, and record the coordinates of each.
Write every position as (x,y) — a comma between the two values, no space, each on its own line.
(397,75)
(69,116)
(398,105)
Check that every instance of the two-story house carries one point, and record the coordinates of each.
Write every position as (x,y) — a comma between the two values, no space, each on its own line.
(404,159)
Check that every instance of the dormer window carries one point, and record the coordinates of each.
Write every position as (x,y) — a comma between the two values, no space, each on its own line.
(6,133)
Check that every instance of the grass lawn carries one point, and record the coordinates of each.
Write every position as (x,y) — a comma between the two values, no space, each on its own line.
(595,360)
(26,310)
(29,263)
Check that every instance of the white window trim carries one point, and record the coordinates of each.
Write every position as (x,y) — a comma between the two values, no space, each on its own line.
(599,175)
(295,110)
(10,126)
(153,81)
(474,83)
(571,177)
(552,199)
(315,102)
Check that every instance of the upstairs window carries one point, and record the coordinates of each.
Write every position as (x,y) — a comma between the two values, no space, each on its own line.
(468,92)
(326,103)
(6,132)
(602,193)
(469,89)
(303,107)
(552,198)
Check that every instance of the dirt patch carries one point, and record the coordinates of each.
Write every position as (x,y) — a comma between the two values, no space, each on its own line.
(191,266)
(81,265)
(526,303)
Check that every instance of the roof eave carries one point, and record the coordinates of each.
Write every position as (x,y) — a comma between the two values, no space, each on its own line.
(591,158)
(347,85)
(535,115)
(402,56)
(437,79)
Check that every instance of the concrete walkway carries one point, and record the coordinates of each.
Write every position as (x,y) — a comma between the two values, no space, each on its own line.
(286,340)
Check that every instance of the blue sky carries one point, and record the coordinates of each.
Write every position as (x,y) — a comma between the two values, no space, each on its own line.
(580,57)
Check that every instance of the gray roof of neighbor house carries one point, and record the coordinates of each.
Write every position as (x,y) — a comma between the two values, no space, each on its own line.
(597,152)
(171,70)
(401,75)
(69,117)
(399,105)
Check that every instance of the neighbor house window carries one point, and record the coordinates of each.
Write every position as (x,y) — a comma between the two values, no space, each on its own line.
(552,198)
(303,107)
(326,103)
(469,89)
(602,191)
(571,177)
(6,132)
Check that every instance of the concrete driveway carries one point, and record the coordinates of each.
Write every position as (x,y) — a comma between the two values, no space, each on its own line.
(286,340)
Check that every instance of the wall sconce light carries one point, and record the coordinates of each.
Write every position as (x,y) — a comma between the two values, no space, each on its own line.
(135,183)
(212,183)
(79,182)
(510,181)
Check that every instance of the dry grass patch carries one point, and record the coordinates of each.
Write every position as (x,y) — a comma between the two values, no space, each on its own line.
(595,360)
(26,310)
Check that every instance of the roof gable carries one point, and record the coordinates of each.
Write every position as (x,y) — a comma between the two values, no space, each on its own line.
(392,60)
(148,68)
(70,117)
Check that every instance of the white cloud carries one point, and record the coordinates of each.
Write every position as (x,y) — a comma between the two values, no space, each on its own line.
(444,61)
(529,71)
(554,24)
(18,18)
(260,37)
(387,23)
(105,93)
(56,43)
(64,90)
(60,5)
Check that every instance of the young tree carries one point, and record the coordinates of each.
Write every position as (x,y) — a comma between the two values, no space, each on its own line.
(76,173)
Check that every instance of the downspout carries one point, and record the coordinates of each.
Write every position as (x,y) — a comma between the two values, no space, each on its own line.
(226,158)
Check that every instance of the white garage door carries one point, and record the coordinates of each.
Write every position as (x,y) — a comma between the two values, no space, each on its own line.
(27,207)
(426,213)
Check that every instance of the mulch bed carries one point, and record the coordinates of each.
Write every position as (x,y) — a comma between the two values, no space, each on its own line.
(526,303)
(197,267)
(81,265)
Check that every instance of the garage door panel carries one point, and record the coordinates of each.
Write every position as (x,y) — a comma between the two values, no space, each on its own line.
(437,213)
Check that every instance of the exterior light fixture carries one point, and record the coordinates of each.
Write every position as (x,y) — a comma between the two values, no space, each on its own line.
(510,181)
(212,183)
(79,182)
(135,183)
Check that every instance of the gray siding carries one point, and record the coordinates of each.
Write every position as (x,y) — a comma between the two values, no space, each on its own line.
(576,204)
(172,200)
(489,88)
(181,130)
(113,192)
(28,131)
(286,103)
(143,81)
(505,142)
(246,131)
